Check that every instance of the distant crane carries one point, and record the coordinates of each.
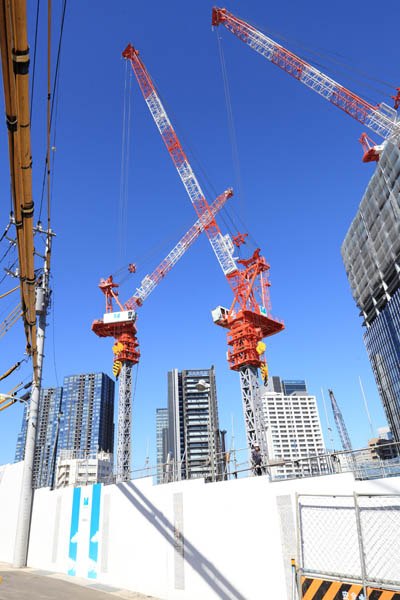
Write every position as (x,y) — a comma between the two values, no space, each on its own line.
(381,119)
(340,424)
(122,326)
(249,319)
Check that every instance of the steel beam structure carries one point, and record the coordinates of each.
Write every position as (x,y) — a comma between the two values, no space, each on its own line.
(253,410)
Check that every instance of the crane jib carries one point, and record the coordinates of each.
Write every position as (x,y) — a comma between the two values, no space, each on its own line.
(381,119)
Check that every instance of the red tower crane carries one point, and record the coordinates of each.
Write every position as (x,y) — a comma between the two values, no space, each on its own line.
(122,326)
(381,119)
(249,319)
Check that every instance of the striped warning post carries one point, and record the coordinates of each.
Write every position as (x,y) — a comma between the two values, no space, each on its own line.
(323,589)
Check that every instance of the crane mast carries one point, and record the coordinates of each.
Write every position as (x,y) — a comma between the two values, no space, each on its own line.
(248,320)
(381,119)
(122,326)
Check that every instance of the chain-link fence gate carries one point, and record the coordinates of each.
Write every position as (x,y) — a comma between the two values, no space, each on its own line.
(353,538)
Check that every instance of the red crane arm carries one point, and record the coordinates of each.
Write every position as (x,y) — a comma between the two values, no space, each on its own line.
(249,283)
(222,245)
(381,119)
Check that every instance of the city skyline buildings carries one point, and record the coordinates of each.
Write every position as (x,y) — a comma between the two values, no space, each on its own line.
(371,257)
(75,417)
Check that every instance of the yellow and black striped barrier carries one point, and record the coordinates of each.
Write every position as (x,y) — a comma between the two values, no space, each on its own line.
(323,589)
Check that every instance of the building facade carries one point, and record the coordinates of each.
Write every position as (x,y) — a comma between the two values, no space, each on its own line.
(381,448)
(83,468)
(193,430)
(50,407)
(371,256)
(77,417)
(162,442)
(293,428)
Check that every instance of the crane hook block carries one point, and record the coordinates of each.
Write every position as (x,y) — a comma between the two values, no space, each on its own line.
(117,368)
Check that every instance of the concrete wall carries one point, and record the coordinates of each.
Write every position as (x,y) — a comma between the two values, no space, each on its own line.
(10,484)
(183,540)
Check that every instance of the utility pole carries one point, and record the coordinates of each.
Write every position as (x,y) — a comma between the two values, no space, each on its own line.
(25,503)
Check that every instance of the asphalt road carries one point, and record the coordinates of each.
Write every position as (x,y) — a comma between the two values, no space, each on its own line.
(23,584)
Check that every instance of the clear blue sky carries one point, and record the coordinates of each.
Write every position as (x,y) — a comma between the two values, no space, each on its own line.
(302,180)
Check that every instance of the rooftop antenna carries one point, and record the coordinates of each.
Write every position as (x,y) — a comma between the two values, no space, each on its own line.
(327,420)
(366,407)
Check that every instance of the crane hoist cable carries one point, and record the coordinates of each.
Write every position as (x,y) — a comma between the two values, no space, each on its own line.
(125,155)
(232,129)
(327,55)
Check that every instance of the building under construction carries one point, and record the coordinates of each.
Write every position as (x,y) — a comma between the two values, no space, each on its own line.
(371,256)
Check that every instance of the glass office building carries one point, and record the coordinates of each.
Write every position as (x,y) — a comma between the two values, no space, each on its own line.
(382,340)
(84,407)
(371,256)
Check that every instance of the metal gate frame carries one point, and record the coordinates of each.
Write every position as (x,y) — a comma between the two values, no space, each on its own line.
(390,585)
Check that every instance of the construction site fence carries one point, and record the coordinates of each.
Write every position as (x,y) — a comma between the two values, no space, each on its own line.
(363,463)
(350,538)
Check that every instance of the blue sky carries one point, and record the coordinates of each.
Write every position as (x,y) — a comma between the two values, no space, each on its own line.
(302,179)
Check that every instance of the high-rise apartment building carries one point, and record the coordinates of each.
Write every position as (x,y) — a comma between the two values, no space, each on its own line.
(44,458)
(162,442)
(193,431)
(84,407)
(371,256)
(87,422)
(293,428)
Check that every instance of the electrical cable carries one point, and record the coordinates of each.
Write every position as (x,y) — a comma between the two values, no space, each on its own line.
(34,60)
(53,320)
(9,292)
(5,233)
(7,251)
(56,79)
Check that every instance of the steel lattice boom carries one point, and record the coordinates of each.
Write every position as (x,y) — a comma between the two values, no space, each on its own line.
(249,320)
(340,424)
(222,245)
(381,119)
(151,281)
